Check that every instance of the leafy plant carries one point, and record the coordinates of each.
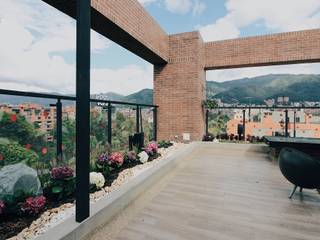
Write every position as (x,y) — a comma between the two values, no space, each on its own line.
(164,144)
(62,183)
(13,153)
(152,149)
(33,205)
(210,104)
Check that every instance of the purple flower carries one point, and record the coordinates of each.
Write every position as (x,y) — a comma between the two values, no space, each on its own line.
(132,156)
(103,159)
(61,173)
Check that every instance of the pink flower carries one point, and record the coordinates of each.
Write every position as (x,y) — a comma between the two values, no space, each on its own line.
(116,158)
(152,148)
(2,207)
(34,205)
(61,173)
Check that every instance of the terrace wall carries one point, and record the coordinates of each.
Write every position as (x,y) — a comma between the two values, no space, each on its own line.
(179,88)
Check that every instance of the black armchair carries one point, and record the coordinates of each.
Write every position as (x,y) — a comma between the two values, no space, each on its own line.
(300,169)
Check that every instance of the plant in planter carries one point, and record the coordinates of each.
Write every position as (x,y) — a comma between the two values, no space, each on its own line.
(62,182)
(152,150)
(33,205)
(164,144)
(131,157)
(97,181)
(143,157)
(116,159)
(103,164)
(208,137)
(210,104)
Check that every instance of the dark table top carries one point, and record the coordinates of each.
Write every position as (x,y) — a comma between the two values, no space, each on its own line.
(298,140)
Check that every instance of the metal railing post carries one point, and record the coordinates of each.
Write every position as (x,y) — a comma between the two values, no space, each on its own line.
(207,121)
(286,123)
(294,123)
(110,124)
(244,124)
(155,124)
(59,130)
(137,119)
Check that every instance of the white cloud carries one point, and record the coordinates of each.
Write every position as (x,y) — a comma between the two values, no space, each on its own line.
(180,6)
(277,16)
(125,80)
(232,74)
(199,8)
(35,39)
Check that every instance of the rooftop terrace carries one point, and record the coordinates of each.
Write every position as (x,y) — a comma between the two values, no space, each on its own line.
(221,191)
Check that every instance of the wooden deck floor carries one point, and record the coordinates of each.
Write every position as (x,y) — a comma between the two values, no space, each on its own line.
(226,193)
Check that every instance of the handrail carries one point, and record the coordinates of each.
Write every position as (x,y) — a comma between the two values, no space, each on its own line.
(263,107)
(69,98)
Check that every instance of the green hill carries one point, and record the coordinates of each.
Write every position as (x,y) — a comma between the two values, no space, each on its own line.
(304,87)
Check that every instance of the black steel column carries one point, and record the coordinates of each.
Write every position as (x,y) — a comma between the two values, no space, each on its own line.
(207,121)
(138,119)
(155,123)
(110,124)
(286,123)
(59,130)
(294,124)
(83,109)
(244,124)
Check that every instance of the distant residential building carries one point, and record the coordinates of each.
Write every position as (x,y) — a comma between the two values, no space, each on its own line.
(41,117)
(268,123)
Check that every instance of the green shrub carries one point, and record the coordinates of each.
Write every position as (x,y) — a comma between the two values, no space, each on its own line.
(12,152)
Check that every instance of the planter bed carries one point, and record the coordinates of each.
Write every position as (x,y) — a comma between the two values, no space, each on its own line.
(29,227)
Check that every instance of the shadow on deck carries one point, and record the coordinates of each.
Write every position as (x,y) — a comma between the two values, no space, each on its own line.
(222,191)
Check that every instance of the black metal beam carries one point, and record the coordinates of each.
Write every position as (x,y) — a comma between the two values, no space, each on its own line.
(155,124)
(83,109)
(59,130)
(110,124)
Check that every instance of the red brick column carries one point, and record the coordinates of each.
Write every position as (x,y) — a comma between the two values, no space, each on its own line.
(179,89)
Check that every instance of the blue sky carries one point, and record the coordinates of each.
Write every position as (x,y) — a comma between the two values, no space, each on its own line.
(37,44)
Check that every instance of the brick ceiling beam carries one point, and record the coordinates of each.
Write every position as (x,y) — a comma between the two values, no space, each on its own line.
(273,49)
(126,23)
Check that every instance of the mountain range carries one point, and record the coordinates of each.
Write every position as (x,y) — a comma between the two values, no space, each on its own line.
(302,87)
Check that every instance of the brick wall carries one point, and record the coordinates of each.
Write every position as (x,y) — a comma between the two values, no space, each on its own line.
(274,49)
(179,88)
